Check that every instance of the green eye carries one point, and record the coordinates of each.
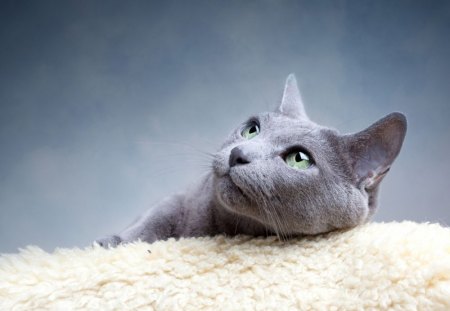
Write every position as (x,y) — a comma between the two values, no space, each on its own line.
(298,160)
(250,131)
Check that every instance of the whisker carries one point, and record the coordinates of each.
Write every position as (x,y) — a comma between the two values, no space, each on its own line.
(268,195)
(284,224)
(261,209)
(237,218)
(177,144)
(275,221)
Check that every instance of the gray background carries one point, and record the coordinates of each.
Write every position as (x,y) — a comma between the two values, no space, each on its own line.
(106,106)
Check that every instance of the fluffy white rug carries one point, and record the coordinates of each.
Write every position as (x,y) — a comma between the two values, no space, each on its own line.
(399,266)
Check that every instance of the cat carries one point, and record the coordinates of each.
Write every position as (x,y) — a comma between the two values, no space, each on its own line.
(279,173)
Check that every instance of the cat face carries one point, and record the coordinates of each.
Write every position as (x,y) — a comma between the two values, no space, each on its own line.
(296,177)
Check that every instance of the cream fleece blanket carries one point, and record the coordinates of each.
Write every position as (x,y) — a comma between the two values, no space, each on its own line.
(398,266)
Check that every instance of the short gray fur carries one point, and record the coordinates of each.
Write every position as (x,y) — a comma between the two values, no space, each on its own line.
(251,190)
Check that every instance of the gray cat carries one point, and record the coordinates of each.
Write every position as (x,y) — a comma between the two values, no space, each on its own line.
(280,174)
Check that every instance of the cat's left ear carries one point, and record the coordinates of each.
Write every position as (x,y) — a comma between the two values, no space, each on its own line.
(291,103)
(372,151)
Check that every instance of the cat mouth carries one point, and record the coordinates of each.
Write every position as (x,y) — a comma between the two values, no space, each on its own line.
(234,182)
(240,190)
(237,184)
(230,194)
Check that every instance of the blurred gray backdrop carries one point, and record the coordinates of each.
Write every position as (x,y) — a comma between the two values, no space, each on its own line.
(107,106)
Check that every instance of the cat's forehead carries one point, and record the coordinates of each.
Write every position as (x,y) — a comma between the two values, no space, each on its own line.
(281,124)
(281,130)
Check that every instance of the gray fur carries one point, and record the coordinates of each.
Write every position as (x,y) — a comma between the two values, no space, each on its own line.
(251,190)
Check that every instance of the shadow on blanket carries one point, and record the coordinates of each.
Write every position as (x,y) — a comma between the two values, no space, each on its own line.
(403,266)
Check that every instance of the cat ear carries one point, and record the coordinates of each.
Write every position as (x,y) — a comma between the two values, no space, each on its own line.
(291,103)
(372,151)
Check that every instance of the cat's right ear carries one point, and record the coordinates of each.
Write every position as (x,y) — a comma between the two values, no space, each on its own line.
(291,103)
(372,151)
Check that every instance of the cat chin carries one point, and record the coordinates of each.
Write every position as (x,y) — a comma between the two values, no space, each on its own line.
(228,193)
(231,197)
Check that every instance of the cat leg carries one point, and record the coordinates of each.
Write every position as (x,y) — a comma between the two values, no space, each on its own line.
(158,223)
(109,241)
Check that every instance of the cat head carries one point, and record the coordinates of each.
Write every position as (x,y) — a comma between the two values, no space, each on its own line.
(296,177)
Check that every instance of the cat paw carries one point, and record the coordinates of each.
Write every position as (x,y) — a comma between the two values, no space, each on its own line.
(109,241)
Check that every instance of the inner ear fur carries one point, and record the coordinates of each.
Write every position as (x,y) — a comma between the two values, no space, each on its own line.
(372,151)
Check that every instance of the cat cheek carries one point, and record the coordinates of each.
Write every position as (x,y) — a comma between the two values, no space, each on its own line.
(356,211)
(219,166)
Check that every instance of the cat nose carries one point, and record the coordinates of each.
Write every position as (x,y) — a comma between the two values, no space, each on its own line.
(237,157)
